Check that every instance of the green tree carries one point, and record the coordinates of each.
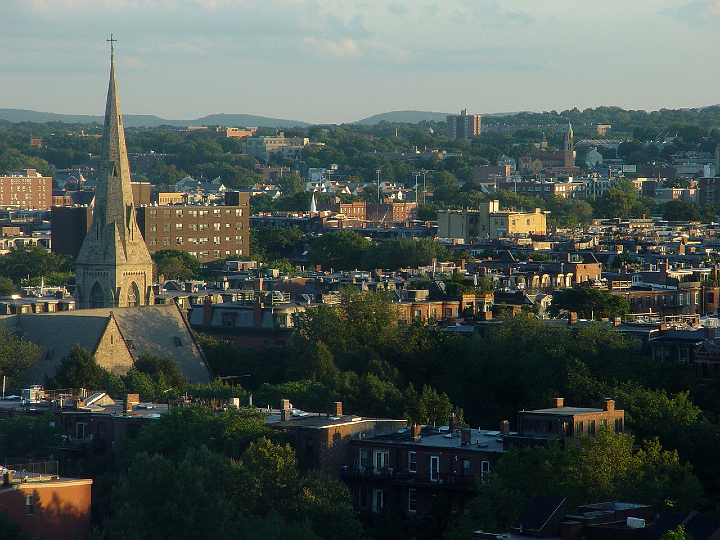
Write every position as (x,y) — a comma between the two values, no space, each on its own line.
(292,184)
(362,319)
(589,469)
(678,534)
(176,264)
(23,262)
(6,286)
(162,367)
(161,499)
(29,437)
(588,303)
(275,242)
(17,357)
(79,370)
(339,250)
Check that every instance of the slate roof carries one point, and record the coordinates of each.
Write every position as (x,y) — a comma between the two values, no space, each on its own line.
(160,330)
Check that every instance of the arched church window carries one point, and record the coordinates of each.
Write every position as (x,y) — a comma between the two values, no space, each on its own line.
(133,297)
(97,296)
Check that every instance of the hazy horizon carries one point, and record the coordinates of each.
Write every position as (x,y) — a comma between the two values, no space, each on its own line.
(322,61)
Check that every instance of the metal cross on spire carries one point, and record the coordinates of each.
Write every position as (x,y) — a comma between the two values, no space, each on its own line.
(112,48)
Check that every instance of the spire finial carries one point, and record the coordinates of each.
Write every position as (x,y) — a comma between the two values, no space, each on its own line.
(112,48)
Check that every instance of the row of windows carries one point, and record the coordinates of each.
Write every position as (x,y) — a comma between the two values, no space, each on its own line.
(196,226)
(179,240)
(217,212)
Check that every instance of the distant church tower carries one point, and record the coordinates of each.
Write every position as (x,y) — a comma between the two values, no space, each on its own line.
(113,268)
(569,148)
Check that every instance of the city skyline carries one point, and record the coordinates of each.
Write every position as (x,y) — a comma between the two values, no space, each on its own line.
(324,61)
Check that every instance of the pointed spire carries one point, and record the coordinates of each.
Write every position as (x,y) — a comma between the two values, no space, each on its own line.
(114,191)
(313,204)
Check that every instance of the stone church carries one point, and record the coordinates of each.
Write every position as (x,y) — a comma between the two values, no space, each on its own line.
(116,319)
(113,268)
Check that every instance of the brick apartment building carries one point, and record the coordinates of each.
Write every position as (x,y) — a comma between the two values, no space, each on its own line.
(538,426)
(406,471)
(46,506)
(27,189)
(395,212)
(206,232)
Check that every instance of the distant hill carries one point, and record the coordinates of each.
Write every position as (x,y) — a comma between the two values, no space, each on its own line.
(146,120)
(409,117)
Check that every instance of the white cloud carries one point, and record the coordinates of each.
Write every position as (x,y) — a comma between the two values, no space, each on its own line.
(342,48)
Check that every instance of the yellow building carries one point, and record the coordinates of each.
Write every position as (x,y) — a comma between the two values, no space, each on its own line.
(488,221)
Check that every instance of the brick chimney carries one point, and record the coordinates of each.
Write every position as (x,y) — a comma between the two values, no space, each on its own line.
(710,333)
(284,404)
(465,436)
(559,402)
(617,321)
(207,310)
(7,478)
(129,400)
(285,415)
(572,318)
(505,428)
(454,422)
(258,312)
(337,408)
(609,404)
(416,432)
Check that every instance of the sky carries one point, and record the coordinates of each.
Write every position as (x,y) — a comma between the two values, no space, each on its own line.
(331,61)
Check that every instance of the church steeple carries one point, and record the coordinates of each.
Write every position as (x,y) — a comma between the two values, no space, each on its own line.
(113,267)
(569,147)
(113,197)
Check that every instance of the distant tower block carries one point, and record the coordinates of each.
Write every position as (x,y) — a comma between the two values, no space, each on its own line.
(113,267)
(463,126)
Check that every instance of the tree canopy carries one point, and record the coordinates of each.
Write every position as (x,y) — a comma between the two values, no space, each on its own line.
(588,303)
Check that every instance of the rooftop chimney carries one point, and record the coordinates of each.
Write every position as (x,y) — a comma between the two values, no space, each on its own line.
(284,404)
(416,432)
(710,333)
(285,415)
(129,400)
(559,402)
(609,404)
(454,422)
(207,310)
(572,318)
(505,428)
(337,408)
(465,436)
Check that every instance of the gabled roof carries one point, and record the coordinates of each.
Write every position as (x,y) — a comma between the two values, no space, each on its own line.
(160,330)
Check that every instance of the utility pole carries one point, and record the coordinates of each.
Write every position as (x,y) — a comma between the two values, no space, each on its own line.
(378,184)
(424,172)
(416,174)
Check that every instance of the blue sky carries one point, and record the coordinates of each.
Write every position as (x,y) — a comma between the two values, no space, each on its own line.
(339,61)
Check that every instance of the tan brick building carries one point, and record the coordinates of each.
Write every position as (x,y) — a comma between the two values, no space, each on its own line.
(27,189)
(206,232)
(488,221)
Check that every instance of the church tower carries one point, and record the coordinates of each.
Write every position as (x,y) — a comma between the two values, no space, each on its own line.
(569,147)
(113,268)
